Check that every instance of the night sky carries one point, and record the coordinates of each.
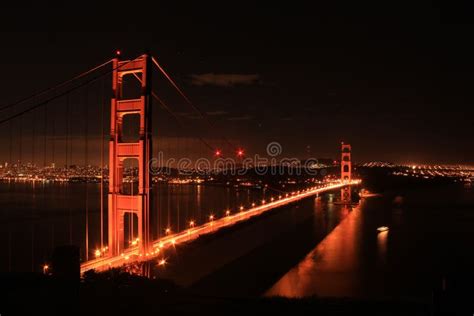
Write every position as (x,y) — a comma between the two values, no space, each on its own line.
(393,81)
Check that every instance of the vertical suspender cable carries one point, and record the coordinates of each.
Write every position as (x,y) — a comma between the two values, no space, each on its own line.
(33,159)
(53,140)
(102,168)
(132,216)
(20,142)
(45,132)
(159,158)
(181,155)
(33,153)
(53,164)
(44,136)
(86,160)
(9,249)
(19,166)
(56,87)
(67,170)
(10,127)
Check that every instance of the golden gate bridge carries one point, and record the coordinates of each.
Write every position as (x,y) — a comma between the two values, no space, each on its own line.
(128,195)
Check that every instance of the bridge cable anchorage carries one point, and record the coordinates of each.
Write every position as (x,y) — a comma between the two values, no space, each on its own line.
(201,113)
(58,86)
(42,103)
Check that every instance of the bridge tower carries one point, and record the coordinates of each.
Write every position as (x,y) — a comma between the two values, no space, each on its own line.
(346,172)
(121,202)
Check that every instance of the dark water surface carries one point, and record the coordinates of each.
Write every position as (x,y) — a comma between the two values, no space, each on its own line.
(310,248)
(247,258)
(35,218)
(429,246)
(317,248)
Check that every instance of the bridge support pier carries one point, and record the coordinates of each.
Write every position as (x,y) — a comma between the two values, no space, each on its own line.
(346,172)
(121,202)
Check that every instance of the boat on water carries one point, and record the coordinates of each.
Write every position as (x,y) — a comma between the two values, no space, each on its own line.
(366,193)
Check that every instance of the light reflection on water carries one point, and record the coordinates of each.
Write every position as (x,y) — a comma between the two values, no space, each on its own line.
(382,246)
(429,239)
(245,261)
(332,263)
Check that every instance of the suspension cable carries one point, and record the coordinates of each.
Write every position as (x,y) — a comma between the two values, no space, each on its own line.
(180,91)
(173,83)
(58,86)
(95,78)
(176,117)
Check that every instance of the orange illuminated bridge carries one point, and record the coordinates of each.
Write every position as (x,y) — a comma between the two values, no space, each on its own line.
(133,254)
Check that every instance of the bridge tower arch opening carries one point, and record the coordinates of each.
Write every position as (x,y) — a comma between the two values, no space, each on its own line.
(346,171)
(121,149)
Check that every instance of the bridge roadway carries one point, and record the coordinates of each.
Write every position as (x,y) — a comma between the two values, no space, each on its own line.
(132,254)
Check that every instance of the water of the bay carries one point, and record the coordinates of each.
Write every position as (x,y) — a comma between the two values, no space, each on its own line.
(310,248)
(37,217)
(428,246)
